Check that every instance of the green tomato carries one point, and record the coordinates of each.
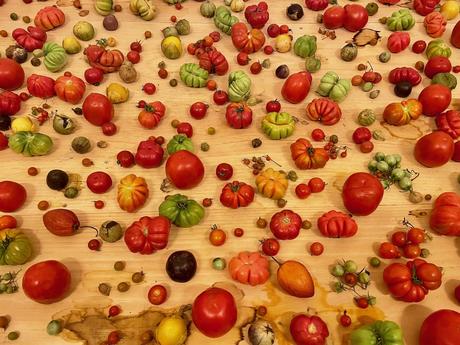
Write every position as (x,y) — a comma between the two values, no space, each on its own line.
(239,86)
(350,266)
(179,142)
(405,183)
(383,166)
(364,278)
(111,231)
(193,75)
(401,20)
(54,327)
(379,156)
(385,184)
(337,270)
(55,57)
(372,166)
(83,30)
(3,287)
(397,157)
(278,125)
(224,20)
(378,333)
(15,247)
(305,46)
(438,47)
(30,144)
(397,174)
(391,160)
(219,264)
(182,211)
(375,261)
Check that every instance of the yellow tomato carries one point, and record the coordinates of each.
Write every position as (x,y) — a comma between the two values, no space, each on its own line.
(450,9)
(117,93)
(111,41)
(23,124)
(283,43)
(171,331)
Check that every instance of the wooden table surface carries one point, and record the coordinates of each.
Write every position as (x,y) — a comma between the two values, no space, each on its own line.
(228,145)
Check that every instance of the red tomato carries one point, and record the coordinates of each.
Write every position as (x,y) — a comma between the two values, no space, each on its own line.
(362,193)
(99,182)
(435,98)
(434,149)
(256,67)
(149,88)
(455,36)
(8,222)
(316,249)
(125,159)
(94,244)
(97,109)
(11,74)
(318,134)
(362,302)
(456,155)
(134,56)
(214,312)
(198,110)
(136,46)
(113,338)
(149,154)
(284,29)
(184,169)
(3,141)
(224,171)
(416,235)
(440,328)
(220,97)
(12,196)
(366,146)
(356,17)
(308,330)
(419,47)
(302,191)
(273,30)
(388,250)
(334,17)
(185,128)
(157,294)
(316,184)
(399,238)
(457,293)
(273,106)
(270,246)
(361,134)
(296,87)
(437,64)
(242,58)
(109,128)
(411,251)
(94,76)
(46,282)
(285,225)
(217,237)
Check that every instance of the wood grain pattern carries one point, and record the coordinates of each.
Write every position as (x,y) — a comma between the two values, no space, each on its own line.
(228,145)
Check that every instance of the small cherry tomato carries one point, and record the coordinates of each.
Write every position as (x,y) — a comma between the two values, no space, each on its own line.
(388,250)
(185,128)
(273,30)
(160,140)
(133,56)
(220,97)
(141,104)
(238,232)
(99,204)
(350,278)
(113,338)
(270,246)
(211,85)
(378,78)
(356,80)
(149,88)
(399,238)
(366,146)
(114,311)
(163,73)
(369,76)
(284,29)
(94,76)
(411,251)
(198,110)
(8,222)
(109,128)
(302,191)
(191,48)
(173,19)
(456,69)
(242,59)
(157,294)
(316,249)
(316,184)
(361,134)
(345,319)
(256,67)
(3,141)
(268,50)
(207,202)
(416,235)
(125,159)
(24,96)
(318,134)
(224,171)
(273,106)
(217,237)
(136,46)
(362,302)
(419,47)
(94,244)
(178,6)
(208,41)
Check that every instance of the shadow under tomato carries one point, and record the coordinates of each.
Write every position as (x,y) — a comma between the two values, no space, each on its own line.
(75,268)
(411,320)
(450,286)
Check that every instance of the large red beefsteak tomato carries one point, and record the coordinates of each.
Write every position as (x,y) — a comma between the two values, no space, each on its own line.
(47,281)
(214,312)
(184,169)
(296,87)
(11,74)
(12,196)
(148,234)
(441,328)
(362,193)
(97,109)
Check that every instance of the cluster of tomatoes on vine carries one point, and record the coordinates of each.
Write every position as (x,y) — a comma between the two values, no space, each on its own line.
(332,143)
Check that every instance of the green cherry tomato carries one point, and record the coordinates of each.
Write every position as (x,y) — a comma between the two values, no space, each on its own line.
(391,160)
(372,166)
(350,266)
(375,261)
(379,156)
(405,183)
(383,166)
(337,270)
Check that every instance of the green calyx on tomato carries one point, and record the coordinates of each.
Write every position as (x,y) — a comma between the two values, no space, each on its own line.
(15,247)
(181,210)
(179,142)
(278,125)
(379,332)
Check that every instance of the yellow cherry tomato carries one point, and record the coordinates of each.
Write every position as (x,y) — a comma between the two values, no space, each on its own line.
(111,42)
(450,9)
(172,330)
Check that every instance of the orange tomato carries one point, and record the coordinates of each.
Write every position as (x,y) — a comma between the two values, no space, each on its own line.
(8,222)
(399,114)
(217,237)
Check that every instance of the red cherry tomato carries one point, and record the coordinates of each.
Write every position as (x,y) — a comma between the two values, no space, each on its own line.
(273,106)
(318,134)
(99,182)
(457,293)
(94,244)
(416,235)
(149,88)
(217,237)
(362,302)
(109,128)
(224,171)
(185,128)
(198,110)
(270,246)
(99,204)
(273,30)
(334,17)
(419,47)
(361,134)
(256,67)
(411,251)
(94,76)
(136,46)
(157,294)
(242,59)
(220,97)
(399,238)
(114,311)
(284,29)
(215,35)
(8,222)
(388,250)
(302,191)
(316,184)
(268,50)
(113,338)
(366,146)
(238,232)
(125,159)
(3,141)
(316,249)
(345,320)
(134,57)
